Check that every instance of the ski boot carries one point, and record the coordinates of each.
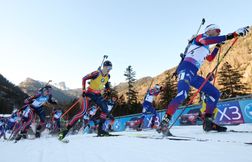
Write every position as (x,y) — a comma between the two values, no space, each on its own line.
(110,129)
(164,126)
(24,135)
(38,131)
(64,132)
(37,134)
(153,125)
(209,125)
(21,135)
(139,127)
(102,133)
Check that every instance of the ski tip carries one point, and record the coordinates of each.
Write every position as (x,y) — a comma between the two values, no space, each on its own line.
(64,140)
(248,143)
(109,135)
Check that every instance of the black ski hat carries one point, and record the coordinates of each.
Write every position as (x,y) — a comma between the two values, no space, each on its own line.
(48,87)
(107,63)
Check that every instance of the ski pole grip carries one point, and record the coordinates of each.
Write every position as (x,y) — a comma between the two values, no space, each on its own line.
(203,21)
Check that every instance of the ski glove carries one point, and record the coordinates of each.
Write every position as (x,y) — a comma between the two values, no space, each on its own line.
(211,78)
(107,91)
(242,31)
(83,93)
(54,101)
(220,44)
(111,117)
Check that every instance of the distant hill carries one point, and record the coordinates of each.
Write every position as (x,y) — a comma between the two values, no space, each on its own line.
(74,92)
(240,56)
(60,85)
(64,97)
(11,96)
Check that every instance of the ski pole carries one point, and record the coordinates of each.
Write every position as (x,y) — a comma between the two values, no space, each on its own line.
(151,83)
(17,127)
(48,83)
(40,89)
(215,75)
(70,108)
(104,57)
(14,127)
(202,23)
(203,84)
(190,41)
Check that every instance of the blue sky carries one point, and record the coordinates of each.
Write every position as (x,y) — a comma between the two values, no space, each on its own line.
(64,40)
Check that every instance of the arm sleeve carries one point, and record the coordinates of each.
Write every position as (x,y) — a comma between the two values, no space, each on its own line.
(52,101)
(22,108)
(151,91)
(156,94)
(107,85)
(213,54)
(93,75)
(205,40)
(29,99)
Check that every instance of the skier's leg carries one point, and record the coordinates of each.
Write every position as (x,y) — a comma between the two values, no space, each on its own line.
(41,113)
(212,98)
(145,110)
(154,116)
(99,100)
(183,87)
(26,122)
(74,120)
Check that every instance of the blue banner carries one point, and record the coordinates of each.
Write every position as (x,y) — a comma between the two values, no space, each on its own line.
(246,108)
(229,112)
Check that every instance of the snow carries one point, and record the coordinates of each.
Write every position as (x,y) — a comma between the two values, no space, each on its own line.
(220,147)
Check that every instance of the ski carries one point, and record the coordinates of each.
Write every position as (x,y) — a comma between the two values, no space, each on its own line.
(171,137)
(248,143)
(109,135)
(185,138)
(168,137)
(148,137)
(16,141)
(239,131)
(181,138)
(64,140)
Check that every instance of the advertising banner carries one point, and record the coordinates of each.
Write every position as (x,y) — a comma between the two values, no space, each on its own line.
(246,108)
(229,112)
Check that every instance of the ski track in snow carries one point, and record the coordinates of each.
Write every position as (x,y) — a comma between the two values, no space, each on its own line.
(221,147)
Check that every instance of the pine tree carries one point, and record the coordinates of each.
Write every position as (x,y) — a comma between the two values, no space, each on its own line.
(169,91)
(131,94)
(230,81)
(121,107)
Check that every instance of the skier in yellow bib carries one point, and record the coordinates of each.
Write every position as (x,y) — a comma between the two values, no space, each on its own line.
(98,83)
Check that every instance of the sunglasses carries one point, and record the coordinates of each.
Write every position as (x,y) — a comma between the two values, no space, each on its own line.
(109,67)
(218,30)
